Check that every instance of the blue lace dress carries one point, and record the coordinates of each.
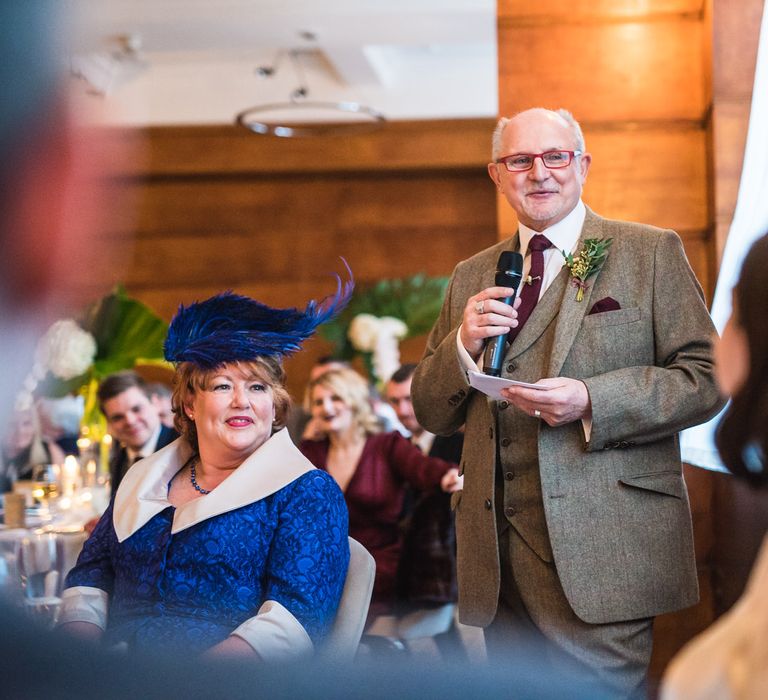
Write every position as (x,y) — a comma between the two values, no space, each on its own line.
(191,588)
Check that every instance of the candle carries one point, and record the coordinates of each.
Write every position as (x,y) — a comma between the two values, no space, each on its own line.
(70,475)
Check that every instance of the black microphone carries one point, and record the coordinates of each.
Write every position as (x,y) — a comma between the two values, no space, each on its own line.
(509,272)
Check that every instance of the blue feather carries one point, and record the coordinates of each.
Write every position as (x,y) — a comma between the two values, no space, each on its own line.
(229,327)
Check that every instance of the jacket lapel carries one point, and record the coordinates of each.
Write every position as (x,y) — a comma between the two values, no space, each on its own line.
(572,312)
(559,302)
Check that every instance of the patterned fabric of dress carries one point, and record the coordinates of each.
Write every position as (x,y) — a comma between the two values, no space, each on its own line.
(191,589)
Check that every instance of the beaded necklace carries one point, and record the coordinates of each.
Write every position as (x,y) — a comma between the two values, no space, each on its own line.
(194,480)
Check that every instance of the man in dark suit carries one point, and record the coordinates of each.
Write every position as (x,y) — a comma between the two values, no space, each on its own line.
(133,422)
(427,571)
(573,526)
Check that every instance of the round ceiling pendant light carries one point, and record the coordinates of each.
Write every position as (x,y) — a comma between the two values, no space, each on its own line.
(327,119)
(300,117)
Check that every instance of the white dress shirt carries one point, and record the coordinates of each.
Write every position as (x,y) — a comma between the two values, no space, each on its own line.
(564,235)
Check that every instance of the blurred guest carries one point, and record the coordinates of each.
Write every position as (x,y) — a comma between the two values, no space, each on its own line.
(730,659)
(160,395)
(60,421)
(24,449)
(133,422)
(300,424)
(50,187)
(427,587)
(228,541)
(373,470)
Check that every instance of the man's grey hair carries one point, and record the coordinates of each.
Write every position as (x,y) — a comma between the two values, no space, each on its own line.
(578,134)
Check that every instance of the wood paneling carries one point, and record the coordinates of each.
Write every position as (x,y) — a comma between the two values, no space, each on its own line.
(734,49)
(655,175)
(398,146)
(551,11)
(630,70)
(220,208)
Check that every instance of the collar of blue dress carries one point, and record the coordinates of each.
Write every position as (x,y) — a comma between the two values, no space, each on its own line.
(143,492)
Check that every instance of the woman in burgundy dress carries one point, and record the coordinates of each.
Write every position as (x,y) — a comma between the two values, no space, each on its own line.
(373,470)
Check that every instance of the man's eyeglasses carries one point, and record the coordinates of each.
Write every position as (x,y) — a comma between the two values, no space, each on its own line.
(520,162)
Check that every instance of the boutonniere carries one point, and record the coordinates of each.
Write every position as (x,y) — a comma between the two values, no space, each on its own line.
(586,262)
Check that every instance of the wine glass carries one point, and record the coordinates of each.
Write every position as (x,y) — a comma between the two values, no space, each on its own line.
(45,487)
(10,586)
(39,561)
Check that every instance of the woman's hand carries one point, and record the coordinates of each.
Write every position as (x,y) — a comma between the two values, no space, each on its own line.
(313,430)
(451,481)
(233,647)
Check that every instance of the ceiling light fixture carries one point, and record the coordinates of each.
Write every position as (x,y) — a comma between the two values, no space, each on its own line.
(301,117)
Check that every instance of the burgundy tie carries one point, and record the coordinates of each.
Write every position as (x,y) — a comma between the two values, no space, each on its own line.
(530,294)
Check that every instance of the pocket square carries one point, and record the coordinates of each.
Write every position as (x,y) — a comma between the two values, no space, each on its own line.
(606,304)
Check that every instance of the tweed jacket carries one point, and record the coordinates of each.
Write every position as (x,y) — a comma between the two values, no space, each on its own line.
(612,513)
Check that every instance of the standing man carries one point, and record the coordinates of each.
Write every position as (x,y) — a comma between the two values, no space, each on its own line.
(573,527)
(133,422)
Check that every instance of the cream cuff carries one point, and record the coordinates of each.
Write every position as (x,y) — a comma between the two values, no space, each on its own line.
(275,634)
(84,604)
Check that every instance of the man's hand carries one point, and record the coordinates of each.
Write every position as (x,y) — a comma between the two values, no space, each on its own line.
(563,401)
(451,481)
(486,316)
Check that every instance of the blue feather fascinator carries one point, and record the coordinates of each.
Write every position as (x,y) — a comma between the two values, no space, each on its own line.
(229,327)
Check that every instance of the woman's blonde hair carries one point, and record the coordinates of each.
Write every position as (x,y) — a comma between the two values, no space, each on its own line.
(354,391)
(190,378)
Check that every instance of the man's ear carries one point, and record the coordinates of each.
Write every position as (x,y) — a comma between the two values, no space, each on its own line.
(584,162)
(493,172)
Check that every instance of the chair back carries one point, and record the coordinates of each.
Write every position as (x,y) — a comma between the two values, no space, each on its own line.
(344,637)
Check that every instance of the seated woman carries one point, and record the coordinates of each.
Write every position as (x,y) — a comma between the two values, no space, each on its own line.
(24,449)
(227,541)
(373,469)
(730,659)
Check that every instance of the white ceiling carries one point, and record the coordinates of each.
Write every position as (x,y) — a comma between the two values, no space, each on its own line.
(195,61)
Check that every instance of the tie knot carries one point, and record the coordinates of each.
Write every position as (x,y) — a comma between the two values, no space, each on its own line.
(539,242)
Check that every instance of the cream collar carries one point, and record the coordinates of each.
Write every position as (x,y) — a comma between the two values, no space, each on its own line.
(143,492)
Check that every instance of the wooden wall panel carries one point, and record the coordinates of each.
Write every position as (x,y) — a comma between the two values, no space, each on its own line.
(220,208)
(398,146)
(734,49)
(615,71)
(653,174)
(581,10)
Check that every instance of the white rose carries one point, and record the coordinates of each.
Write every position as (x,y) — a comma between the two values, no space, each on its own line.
(66,349)
(363,332)
(394,327)
(386,357)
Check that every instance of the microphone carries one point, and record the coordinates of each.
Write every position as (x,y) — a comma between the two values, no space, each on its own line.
(509,272)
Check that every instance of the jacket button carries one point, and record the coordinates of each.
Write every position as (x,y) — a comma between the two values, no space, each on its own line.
(509,511)
(511,366)
(505,442)
(509,476)
(461,393)
(488,504)
(503,405)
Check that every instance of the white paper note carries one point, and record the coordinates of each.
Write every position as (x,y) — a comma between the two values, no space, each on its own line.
(492,386)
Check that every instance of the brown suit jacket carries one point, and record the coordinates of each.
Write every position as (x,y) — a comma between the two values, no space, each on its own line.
(612,514)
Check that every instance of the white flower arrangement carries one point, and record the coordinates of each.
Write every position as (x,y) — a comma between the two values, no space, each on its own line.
(380,336)
(66,350)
